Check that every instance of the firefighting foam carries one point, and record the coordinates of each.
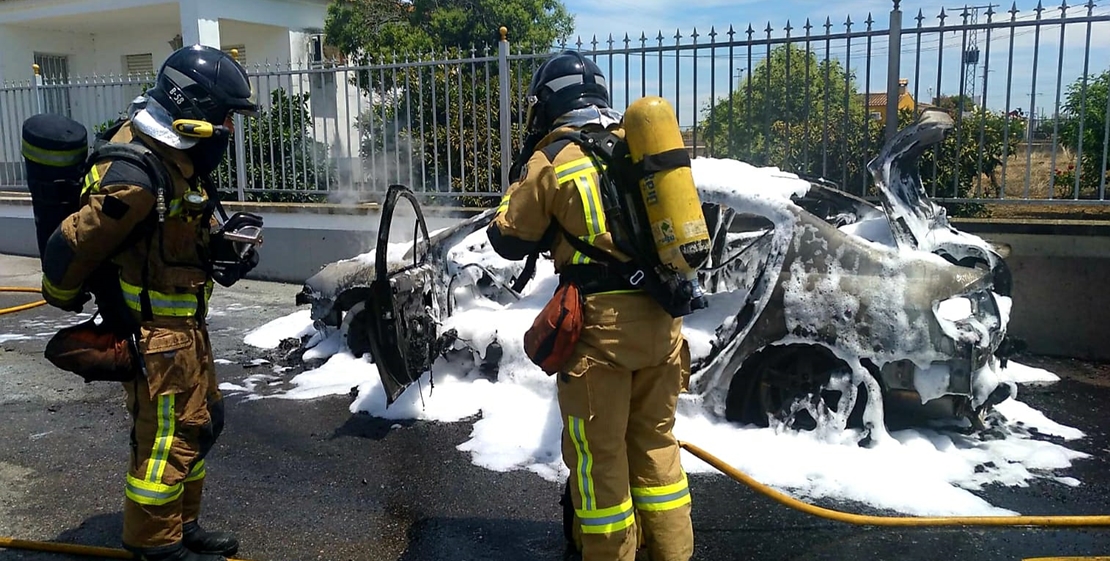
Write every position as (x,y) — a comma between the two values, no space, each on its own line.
(516,424)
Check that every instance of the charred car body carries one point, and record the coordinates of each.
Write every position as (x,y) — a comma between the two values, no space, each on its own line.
(813,294)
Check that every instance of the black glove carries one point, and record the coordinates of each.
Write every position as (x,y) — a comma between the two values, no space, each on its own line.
(234,248)
(229,273)
(76,305)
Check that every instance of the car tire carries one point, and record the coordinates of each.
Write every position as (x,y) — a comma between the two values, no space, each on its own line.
(769,381)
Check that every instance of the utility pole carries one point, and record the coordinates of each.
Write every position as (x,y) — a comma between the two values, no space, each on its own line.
(970,58)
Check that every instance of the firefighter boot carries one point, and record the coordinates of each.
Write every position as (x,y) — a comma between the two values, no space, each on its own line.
(175,552)
(199,540)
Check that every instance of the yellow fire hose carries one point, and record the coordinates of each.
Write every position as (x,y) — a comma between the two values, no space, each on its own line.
(868,520)
(21,307)
(55,547)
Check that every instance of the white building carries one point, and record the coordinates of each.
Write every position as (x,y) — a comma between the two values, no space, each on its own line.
(105,50)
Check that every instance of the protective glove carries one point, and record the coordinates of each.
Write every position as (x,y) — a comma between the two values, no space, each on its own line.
(229,273)
(75,304)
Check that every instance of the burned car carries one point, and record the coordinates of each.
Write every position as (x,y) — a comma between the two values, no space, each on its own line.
(814,296)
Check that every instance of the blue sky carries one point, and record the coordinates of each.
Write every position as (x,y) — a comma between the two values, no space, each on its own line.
(617,17)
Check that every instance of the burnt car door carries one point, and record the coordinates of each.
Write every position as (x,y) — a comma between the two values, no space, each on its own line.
(400,309)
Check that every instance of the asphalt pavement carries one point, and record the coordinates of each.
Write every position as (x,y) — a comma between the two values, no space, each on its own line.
(301,480)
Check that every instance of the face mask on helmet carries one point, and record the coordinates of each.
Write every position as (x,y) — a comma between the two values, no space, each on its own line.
(207,154)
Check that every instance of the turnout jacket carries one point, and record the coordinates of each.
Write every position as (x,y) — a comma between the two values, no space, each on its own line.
(558,188)
(115,224)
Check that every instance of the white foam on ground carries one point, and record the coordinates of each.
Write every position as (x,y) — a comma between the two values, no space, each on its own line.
(517,426)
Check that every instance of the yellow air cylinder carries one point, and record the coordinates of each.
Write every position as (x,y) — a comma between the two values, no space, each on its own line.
(670,197)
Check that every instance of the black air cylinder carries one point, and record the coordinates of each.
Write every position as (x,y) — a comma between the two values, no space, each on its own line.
(54,151)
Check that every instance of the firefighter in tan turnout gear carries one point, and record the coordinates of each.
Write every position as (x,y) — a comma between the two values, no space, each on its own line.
(618,390)
(155,228)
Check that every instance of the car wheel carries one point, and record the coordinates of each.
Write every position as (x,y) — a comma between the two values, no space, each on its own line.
(793,385)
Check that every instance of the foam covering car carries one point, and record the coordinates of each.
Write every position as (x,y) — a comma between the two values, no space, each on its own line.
(820,302)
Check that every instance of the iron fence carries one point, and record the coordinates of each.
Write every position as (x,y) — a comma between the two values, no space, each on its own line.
(815,98)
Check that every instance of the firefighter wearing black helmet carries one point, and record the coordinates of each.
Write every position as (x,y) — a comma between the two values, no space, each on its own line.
(161,235)
(618,391)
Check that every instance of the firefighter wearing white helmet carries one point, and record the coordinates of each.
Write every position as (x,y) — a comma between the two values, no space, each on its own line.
(619,386)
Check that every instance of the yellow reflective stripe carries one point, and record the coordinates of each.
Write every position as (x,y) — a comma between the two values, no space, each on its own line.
(161,303)
(593,213)
(149,493)
(54,158)
(571,168)
(59,294)
(163,442)
(622,291)
(504,206)
(662,497)
(583,172)
(577,429)
(92,181)
(198,472)
(176,208)
(606,520)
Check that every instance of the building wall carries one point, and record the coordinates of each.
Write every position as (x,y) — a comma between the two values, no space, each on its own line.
(18,45)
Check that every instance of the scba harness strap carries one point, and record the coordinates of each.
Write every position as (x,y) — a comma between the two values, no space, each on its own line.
(625,217)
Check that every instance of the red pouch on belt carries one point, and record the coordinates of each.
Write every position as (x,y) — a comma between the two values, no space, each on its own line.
(555,332)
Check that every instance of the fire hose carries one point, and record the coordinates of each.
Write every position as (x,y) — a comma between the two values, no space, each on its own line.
(715,462)
(21,307)
(71,549)
(872,520)
(55,547)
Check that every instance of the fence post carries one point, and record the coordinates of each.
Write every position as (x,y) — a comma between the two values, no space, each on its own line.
(240,158)
(36,89)
(893,71)
(505,107)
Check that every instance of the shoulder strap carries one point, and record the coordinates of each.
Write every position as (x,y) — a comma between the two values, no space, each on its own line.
(137,154)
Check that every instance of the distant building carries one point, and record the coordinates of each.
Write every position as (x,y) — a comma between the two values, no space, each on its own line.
(877,102)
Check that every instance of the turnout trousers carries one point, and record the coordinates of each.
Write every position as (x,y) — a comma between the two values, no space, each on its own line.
(617,398)
(177,415)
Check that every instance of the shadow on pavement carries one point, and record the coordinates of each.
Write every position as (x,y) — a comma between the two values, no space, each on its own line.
(460,539)
(366,426)
(102,530)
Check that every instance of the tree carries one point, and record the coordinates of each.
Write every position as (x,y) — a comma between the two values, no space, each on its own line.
(953,103)
(1085,108)
(971,152)
(281,153)
(373,30)
(798,112)
(805,115)
(385,31)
